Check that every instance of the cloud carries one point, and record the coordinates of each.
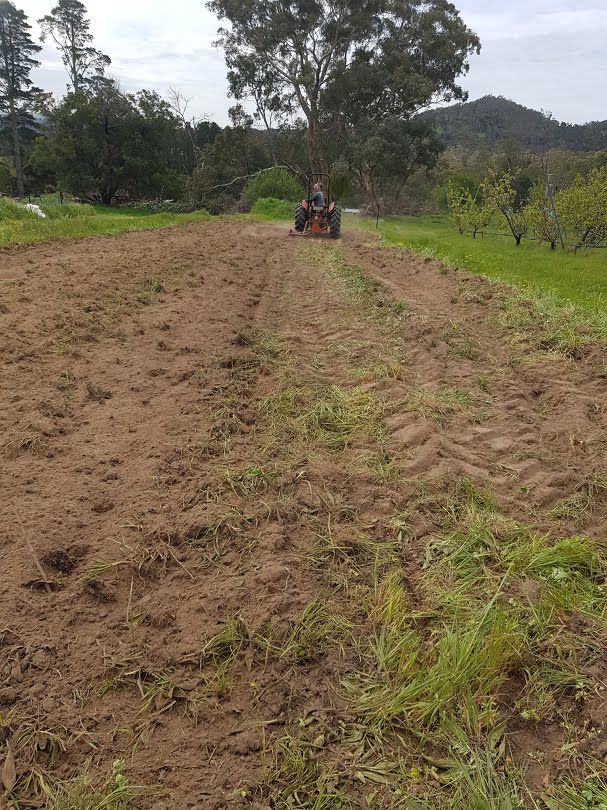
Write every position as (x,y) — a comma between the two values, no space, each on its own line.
(546,54)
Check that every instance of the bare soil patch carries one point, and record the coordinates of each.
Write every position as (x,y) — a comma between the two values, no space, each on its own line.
(223,453)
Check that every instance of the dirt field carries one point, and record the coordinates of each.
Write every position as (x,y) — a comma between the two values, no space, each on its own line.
(250,487)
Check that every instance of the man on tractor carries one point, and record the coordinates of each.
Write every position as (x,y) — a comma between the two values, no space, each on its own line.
(318,198)
(318,213)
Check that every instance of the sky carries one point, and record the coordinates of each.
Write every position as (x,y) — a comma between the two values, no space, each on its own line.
(544,54)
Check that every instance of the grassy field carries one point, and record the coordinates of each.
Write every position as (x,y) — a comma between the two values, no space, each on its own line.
(577,280)
(20,227)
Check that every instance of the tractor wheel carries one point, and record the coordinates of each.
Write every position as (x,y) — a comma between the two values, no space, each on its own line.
(300,219)
(335,222)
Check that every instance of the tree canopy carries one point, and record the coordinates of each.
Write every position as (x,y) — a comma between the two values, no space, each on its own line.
(68,26)
(346,62)
(17,90)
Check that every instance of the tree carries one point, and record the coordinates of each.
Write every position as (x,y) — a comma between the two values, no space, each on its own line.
(468,210)
(17,91)
(457,208)
(583,208)
(253,77)
(344,63)
(276,183)
(68,26)
(382,157)
(501,195)
(108,142)
(542,219)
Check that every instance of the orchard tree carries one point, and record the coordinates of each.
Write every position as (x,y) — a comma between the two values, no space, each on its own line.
(468,210)
(542,217)
(456,196)
(501,195)
(68,26)
(347,63)
(17,92)
(583,208)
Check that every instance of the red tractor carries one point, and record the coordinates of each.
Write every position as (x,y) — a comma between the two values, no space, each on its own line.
(318,213)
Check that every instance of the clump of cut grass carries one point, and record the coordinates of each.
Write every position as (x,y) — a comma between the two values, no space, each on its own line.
(250,480)
(388,370)
(296,780)
(338,416)
(99,570)
(461,344)
(357,552)
(149,289)
(30,439)
(82,793)
(584,501)
(320,629)
(224,648)
(591,795)
(330,417)
(437,405)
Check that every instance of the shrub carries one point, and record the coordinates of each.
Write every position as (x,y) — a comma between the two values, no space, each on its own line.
(270,208)
(273,183)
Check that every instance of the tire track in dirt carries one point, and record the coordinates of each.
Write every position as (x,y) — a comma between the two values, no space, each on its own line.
(541,433)
(191,331)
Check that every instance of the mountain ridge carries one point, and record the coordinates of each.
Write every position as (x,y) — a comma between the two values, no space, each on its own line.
(495,120)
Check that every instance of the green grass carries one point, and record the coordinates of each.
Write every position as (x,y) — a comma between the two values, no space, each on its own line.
(565,279)
(20,227)
(271,209)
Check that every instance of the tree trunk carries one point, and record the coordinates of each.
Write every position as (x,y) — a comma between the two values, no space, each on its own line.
(518,238)
(270,134)
(108,194)
(17,149)
(318,162)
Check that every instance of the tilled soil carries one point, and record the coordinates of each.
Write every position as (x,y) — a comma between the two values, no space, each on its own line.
(150,499)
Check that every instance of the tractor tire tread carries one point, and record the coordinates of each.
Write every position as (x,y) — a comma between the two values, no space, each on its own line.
(335,222)
(300,219)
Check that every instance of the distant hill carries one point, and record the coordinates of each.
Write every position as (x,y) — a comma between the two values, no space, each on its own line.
(493,120)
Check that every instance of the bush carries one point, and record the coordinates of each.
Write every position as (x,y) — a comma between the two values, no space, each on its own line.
(270,208)
(68,211)
(273,183)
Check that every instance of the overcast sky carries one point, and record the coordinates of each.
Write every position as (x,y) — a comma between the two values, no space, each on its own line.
(545,54)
